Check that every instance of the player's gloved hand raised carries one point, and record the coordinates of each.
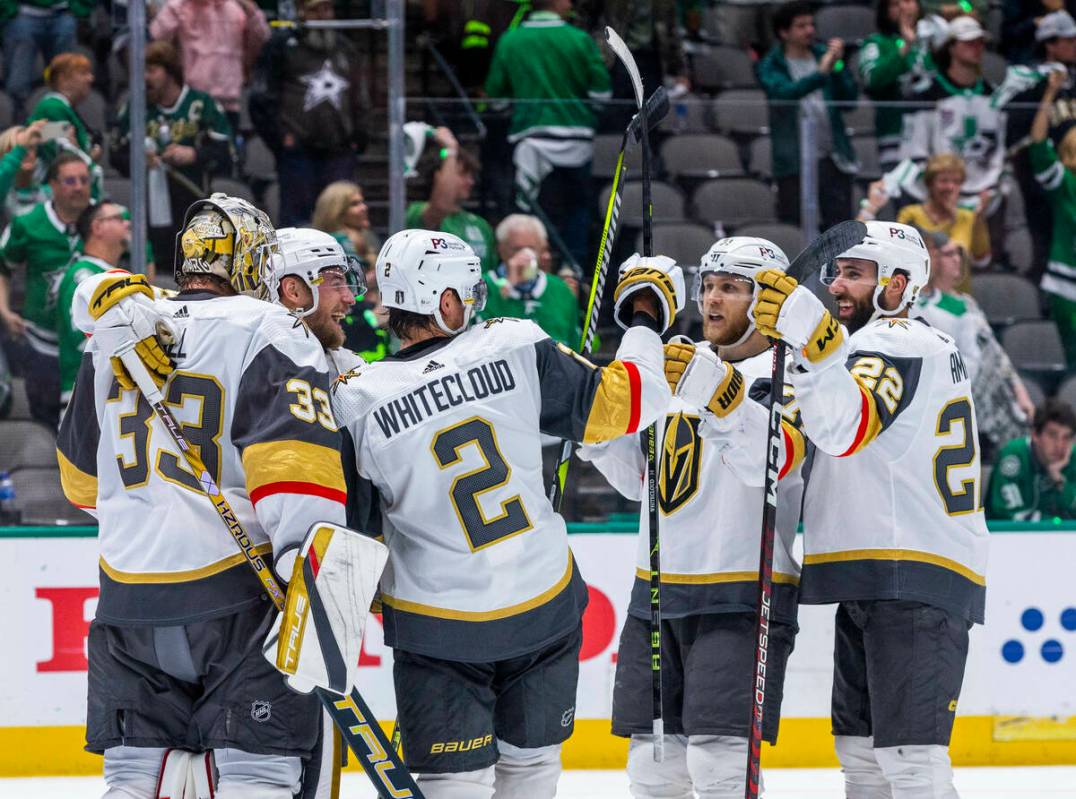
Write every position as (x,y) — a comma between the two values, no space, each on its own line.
(124,313)
(701,379)
(786,310)
(657,274)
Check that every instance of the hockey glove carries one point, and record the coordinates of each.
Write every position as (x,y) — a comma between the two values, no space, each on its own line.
(702,380)
(786,310)
(658,274)
(123,311)
(316,640)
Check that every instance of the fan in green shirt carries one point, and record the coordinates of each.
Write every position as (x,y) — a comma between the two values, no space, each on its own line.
(520,289)
(446,174)
(105,230)
(70,77)
(1035,477)
(43,241)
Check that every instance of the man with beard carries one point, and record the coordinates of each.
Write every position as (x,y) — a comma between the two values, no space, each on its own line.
(307,106)
(192,141)
(714,435)
(894,532)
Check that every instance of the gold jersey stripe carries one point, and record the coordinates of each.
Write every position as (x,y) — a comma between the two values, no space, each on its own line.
(135,578)
(282,461)
(610,413)
(483,615)
(913,555)
(869,425)
(79,487)
(799,447)
(716,578)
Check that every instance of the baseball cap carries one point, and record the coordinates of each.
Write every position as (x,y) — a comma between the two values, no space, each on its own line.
(965,29)
(1059,24)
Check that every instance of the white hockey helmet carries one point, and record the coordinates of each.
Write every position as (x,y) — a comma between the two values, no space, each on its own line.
(415,267)
(893,247)
(306,253)
(744,256)
(230,238)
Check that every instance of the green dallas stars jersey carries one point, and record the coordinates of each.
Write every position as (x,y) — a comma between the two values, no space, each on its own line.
(1021,489)
(194,120)
(472,228)
(40,240)
(1060,186)
(72,341)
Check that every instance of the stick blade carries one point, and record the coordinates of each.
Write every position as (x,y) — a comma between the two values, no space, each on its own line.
(829,245)
(625,57)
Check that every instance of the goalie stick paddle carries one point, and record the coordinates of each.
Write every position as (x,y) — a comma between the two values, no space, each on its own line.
(656,109)
(658,728)
(352,716)
(825,248)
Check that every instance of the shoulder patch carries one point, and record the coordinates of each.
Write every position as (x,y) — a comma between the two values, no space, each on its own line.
(1010,466)
(573,354)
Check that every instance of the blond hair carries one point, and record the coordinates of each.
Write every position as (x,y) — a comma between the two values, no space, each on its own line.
(65,64)
(943,162)
(332,204)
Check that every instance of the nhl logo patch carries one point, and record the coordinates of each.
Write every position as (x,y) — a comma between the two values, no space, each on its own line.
(261,710)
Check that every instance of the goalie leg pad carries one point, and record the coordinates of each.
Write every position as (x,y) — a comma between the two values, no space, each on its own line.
(668,779)
(315,642)
(918,771)
(863,777)
(527,773)
(186,775)
(132,772)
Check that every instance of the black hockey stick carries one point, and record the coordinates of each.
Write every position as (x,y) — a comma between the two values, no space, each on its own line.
(350,713)
(656,109)
(624,55)
(825,248)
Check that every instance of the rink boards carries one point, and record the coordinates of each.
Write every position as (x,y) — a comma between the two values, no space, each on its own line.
(1018,705)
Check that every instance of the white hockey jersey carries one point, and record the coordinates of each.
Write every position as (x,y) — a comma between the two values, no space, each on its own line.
(447,431)
(892,507)
(251,392)
(710,491)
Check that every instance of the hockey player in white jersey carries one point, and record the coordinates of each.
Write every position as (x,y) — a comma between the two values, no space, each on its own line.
(894,532)
(710,491)
(175,648)
(482,598)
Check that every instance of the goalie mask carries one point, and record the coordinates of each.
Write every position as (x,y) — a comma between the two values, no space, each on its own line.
(415,267)
(893,248)
(230,238)
(743,256)
(318,260)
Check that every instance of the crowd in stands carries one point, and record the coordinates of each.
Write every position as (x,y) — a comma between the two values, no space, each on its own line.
(956,118)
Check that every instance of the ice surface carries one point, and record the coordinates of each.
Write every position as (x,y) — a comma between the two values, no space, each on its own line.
(1054,782)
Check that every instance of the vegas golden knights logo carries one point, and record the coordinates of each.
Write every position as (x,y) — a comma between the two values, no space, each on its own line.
(681,455)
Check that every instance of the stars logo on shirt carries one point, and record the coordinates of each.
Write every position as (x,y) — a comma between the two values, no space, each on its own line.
(325,85)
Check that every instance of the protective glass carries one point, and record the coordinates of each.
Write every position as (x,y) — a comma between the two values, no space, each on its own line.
(698,288)
(350,278)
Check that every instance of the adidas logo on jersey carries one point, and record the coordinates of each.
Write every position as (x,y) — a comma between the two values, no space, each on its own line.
(432,366)
(182,313)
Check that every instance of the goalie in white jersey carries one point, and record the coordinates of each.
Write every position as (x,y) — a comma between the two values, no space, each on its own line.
(893,525)
(710,497)
(482,598)
(175,648)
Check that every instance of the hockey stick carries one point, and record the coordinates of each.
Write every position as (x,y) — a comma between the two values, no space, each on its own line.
(350,713)
(624,55)
(656,109)
(823,249)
